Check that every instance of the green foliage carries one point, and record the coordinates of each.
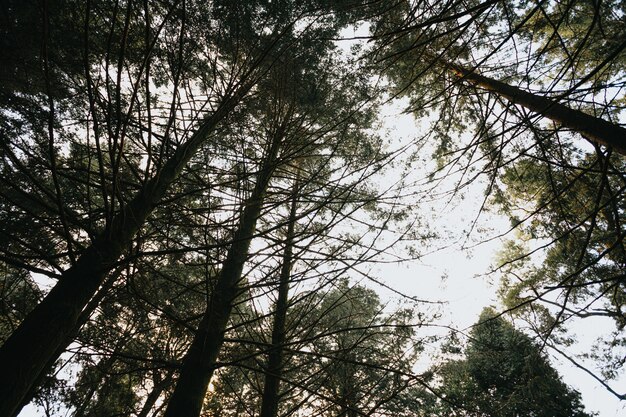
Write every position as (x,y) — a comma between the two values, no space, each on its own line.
(577,207)
(503,374)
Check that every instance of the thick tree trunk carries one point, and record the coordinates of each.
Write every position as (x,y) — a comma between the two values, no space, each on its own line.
(347,388)
(592,128)
(199,361)
(273,373)
(51,325)
(82,319)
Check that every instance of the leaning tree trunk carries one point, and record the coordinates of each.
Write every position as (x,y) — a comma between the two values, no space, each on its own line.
(199,361)
(82,319)
(273,373)
(154,395)
(592,128)
(32,347)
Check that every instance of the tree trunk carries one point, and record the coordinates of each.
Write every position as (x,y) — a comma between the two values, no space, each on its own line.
(199,361)
(82,319)
(273,373)
(50,326)
(155,394)
(592,128)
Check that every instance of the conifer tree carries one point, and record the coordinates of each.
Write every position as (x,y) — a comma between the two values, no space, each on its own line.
(503,373)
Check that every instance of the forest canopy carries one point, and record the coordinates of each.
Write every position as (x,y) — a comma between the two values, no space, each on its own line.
(197,199)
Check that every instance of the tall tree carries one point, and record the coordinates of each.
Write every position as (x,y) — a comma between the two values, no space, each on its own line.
(503,374)
(275,356)
(198,363)
(595,129)
(125,204)
(490,88)
(434,52)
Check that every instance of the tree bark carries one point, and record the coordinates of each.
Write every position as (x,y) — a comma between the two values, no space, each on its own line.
(273,373)
(592,128)
(31,349)
(82,319)
(199,361)
(155,394)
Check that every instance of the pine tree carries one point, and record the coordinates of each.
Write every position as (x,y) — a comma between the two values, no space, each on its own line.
(503,373)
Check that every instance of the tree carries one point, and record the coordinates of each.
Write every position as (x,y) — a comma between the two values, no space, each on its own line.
(491,88)
(275,356)
(342,355)
(503,373)
(51,324)
(363,356)
(592,128)
(198,364)
(90,238)
(578,208)
(439,56)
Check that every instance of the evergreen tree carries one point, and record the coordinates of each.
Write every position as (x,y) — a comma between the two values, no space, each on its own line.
(578,207)
(169,166)
(503,373)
